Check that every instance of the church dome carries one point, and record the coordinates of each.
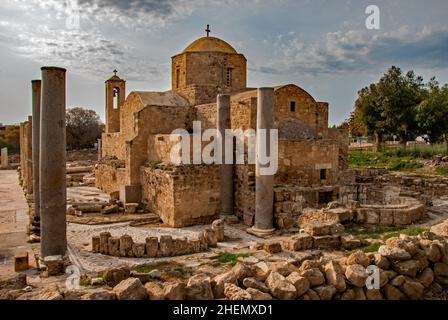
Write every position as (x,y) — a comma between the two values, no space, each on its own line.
(209,44)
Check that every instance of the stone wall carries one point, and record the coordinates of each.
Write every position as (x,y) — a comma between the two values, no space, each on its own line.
(367,185)
(109,177)
(202,75)
(182,195)
(340,136)
(301,162)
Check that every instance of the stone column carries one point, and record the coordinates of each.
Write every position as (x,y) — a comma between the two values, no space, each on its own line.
(22,155)
(223,123)
(29,157)
(264,184)
(4,158)
(36,89)
(99,149)
(52,162)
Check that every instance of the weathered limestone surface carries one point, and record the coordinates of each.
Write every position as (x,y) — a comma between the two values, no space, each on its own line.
(264,184)
(52,183)
(4,158)
(36,98)
(223,123)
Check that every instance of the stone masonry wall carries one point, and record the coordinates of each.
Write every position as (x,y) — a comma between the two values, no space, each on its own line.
(182,195)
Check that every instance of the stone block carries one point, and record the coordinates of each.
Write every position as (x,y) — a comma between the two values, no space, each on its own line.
(21,262)
(218,227)
(166,246)
(386,217)
(130,194)
(54,264)
(130,208)
(152,246)
(96,244)
(402,217)
(372,217)
(326,242)
(114,246)
(126,244)
(138,249)
(272,246)
(104,242)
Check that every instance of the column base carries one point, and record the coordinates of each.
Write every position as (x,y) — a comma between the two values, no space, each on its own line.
(261,233)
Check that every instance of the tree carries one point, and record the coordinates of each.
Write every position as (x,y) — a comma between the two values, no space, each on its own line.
(84,127)
(432,113)
(355,123)
(10,138)
(389,106)
(372,113)
(399,96)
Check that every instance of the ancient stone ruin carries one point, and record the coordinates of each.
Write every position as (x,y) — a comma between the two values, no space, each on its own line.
(127,222)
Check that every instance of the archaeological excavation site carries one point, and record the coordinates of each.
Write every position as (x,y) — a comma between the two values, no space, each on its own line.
(126,221)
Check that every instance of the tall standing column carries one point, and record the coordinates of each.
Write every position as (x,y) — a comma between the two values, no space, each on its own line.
(29,156)
(36,89)
(52,162)
(223,123)
(264,184)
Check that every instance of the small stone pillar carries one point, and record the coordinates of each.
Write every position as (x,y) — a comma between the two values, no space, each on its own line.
(4,158)
(264,184)
(36,90)
(52,161)
(223,123)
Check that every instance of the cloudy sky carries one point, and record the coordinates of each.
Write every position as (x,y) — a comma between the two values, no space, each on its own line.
(321,45)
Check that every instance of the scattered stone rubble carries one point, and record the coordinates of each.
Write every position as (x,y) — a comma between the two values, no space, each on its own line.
(409,268)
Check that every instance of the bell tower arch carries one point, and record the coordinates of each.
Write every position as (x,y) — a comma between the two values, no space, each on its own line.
(115,97)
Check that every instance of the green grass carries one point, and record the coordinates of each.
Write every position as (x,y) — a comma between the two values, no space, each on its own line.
(144,268)
(84,282)
(442,171)
(406,166)
(229,258)
(407,231)
(384,233)
(400,159)
(371,247)
(378,160)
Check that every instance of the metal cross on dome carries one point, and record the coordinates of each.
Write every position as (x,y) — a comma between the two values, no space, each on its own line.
(208,30)
(115,72)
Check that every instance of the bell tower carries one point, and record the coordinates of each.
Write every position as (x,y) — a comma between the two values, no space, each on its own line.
(115,97)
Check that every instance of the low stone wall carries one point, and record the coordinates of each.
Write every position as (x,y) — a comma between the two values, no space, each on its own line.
(289,201)
(109,177)
(408,212)
(366,185)
(155,247)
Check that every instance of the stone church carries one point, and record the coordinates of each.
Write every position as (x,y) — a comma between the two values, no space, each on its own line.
(135,148)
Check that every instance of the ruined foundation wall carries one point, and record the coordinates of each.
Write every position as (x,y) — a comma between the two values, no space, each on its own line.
(109,178)
(182,195)
(367,185)
(301,162)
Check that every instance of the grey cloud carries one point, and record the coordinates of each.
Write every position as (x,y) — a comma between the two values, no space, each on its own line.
(360,51)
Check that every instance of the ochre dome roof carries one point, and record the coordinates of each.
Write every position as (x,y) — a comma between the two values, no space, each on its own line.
(209,44)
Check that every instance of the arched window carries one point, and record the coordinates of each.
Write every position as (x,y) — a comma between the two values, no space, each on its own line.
(115,98)
(229,77)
